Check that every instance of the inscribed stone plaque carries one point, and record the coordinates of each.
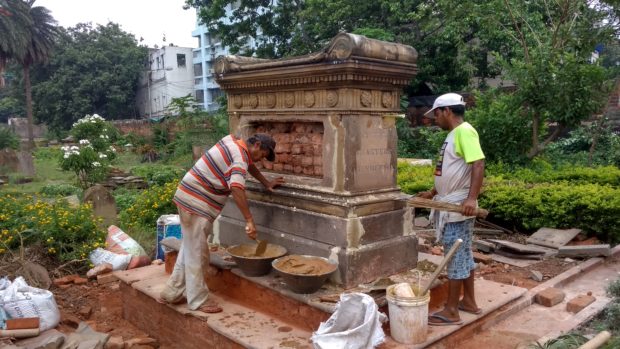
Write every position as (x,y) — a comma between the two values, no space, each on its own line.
(374,159)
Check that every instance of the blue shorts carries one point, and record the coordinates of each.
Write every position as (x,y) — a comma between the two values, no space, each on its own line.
(462,262)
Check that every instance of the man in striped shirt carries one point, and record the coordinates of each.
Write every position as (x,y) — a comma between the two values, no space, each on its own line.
(200,197)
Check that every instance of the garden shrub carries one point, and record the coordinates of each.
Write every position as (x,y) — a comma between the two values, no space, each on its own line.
(91,160)
(149,205)
(68,233)
(158,174)
(47,153)
(52,190)
(414,179)
(8,139)
(125,198)
(575,149)
(419,142)
(591,207)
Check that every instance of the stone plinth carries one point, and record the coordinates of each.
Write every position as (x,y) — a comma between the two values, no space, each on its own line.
(332,114)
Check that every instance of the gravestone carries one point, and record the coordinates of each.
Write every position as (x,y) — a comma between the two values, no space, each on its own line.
(25,163)
(103,202)
(9,162)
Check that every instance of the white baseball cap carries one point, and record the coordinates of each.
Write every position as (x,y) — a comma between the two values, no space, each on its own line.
(447,100)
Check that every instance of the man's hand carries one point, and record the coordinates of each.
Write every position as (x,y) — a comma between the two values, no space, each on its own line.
(469,207)
(425,194)
(250,229)
(274,183)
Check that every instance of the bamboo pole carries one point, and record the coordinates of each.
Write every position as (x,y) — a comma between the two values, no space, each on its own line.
(443,206)
(597,341)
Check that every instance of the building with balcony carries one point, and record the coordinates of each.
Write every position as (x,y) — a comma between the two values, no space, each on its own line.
(168,74)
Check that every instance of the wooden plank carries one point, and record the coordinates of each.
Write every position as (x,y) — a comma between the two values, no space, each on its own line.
(554,238)
(443,206)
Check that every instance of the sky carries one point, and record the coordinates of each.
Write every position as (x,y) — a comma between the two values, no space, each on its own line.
(149,19)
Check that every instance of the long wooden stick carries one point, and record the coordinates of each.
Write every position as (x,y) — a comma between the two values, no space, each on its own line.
(597,341)
(442,265)
(443,206)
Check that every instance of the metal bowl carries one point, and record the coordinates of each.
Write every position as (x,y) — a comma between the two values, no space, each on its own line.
(252,265)
(304,283)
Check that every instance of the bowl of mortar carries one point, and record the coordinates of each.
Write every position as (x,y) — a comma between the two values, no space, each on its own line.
(252,265)
(302,273)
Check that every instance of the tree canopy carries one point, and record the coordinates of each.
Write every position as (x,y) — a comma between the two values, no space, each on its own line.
(94,70)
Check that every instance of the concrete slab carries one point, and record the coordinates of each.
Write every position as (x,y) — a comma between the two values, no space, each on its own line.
(133,275)
(518,248)
(554,238)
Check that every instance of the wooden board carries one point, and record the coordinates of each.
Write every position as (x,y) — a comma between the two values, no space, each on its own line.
(554,238)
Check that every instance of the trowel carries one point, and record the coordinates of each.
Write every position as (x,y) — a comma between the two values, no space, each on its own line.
(261,246)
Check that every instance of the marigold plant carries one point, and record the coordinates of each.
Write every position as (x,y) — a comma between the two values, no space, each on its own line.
(149,205)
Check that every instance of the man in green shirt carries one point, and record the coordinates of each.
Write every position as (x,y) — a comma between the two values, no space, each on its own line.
(458,178)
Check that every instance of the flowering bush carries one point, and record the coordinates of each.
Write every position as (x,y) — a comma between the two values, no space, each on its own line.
(149,205)
(92,158)
(67,232)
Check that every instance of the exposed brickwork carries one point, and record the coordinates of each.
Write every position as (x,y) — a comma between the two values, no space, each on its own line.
(299,147)
(578,303)
(169,326)
(549,297)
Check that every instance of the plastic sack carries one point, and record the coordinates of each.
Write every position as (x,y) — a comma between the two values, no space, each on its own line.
(119,242)
(356,324)
(20,301)
(119,261)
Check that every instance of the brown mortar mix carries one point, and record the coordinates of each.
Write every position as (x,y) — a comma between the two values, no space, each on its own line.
(248,251)
(304,265)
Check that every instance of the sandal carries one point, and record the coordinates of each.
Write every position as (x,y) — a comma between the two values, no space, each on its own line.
(210,307)
(476,312)
(444,320)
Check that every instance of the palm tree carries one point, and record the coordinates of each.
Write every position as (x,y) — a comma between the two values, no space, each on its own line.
(14,35)
(42,36)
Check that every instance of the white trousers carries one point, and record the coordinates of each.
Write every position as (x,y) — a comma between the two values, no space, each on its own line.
(193,260)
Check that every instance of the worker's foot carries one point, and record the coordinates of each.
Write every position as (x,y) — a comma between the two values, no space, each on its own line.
(468,308)
(442,318)
(163,301)
(210,307)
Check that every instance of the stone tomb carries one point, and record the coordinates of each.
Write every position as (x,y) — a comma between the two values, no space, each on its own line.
(332,114)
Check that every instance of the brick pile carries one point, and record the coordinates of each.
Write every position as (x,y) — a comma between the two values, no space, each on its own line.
(299,148)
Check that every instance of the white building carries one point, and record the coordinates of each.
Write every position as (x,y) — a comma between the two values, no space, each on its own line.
(168,75)
(209,48)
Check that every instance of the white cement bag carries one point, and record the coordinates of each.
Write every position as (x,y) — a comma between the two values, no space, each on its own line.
(20,300)
(119,261)
(356,324)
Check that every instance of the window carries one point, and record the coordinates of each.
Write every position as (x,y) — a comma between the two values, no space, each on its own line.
(198,69)
(180,60)
(200,97)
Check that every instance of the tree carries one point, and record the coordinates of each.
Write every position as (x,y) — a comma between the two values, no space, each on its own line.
(94,71)
(14,23)
(42,35)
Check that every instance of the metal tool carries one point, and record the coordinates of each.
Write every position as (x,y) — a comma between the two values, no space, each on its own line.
(261,246)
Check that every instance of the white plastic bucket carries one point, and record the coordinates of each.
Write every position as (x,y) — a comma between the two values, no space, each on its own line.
(408,317)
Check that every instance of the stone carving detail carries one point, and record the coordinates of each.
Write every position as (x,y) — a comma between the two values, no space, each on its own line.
(289,99)
(386,99)
(332,98)
(309,99)
(271,100)
(366,98)
(253,101)
(238,102)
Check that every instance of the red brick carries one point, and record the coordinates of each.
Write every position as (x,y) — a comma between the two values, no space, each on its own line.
(317,160)
(299,127)
(296,160)
(296,149)
(106,278)
(549,297)
(100,269)
(306,161)
(278,167)
(577,304)
(283,148)
(115,342)
(69,320)
(318,170)
(482,258)
(22,323)
(282,158)
(317,149)
(308,149)
(308,170)
(298,169)
(316,138)
(80,281)
(65,280)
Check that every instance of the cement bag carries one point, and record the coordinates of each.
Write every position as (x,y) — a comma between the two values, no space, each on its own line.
(20,300)
(356,324)
(99,256)
(119,242)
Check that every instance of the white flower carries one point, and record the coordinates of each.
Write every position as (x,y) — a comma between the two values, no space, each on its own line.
(75,152)
(66,156)
(84,141)
(96,164)
(102,136)
(129,145)
(64,148)
(102,156)
(112,149)
(75,147)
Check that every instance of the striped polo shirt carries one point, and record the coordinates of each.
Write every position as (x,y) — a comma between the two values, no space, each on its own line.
(205,188)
